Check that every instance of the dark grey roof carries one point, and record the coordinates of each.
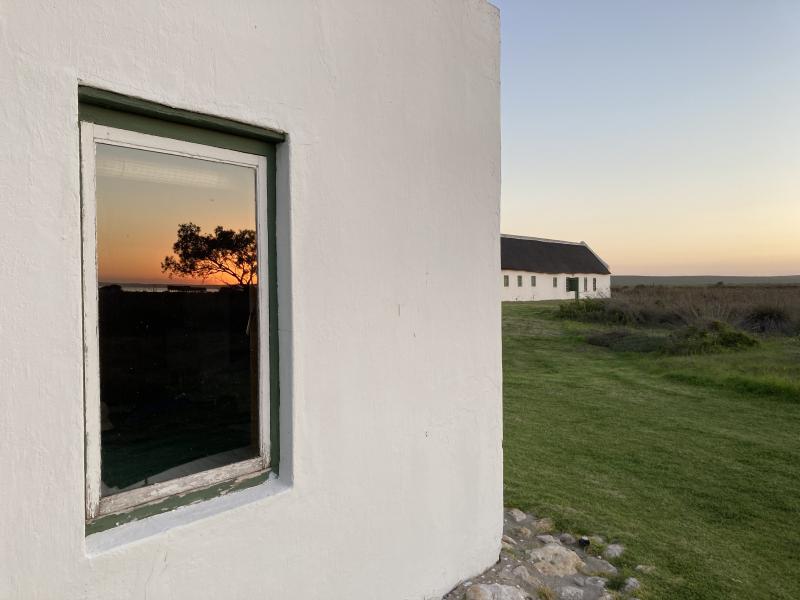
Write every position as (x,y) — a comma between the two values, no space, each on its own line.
(548,256)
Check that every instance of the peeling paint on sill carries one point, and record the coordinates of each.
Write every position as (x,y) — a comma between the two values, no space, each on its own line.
(177,501)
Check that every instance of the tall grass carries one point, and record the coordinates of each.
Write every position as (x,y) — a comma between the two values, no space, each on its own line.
(757,309)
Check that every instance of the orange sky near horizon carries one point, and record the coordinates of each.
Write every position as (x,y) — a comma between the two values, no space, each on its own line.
(142,198)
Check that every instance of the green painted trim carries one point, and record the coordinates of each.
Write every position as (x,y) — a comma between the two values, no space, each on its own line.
(272,286)
(176,131)
(123,112)
(167,504)
(137,106)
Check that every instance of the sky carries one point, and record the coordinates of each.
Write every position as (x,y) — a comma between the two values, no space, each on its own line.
(664,134)
(143,196)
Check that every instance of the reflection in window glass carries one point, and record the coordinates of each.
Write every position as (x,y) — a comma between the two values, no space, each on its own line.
(176,255)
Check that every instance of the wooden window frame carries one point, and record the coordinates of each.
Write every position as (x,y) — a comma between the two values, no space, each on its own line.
(97,506)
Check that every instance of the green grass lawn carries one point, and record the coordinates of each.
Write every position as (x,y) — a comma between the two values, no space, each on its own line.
(692,462)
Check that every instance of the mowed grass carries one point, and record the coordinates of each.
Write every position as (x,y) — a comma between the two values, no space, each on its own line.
(692,462)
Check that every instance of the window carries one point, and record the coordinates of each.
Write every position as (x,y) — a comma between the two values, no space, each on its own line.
(519,280)
(505,280)
(594,284)
(179,310)
(585,284)
(555,282)
(533,280)
(573,284)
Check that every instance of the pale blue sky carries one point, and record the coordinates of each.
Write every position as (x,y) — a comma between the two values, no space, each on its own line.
(666,134)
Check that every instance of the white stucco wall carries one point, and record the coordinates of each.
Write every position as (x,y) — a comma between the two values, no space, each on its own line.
(544,289)
(388,193)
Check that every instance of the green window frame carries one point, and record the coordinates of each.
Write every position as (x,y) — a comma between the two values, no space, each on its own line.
(103,108)
(519,280)
(533,280)
(505,280)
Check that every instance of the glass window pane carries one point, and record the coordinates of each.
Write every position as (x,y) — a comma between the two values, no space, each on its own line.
(176,255)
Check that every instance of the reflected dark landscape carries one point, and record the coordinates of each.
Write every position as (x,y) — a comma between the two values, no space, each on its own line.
(174,380)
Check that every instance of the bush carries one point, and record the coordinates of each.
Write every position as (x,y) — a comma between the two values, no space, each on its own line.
(755,309)
(768,319)
(627,341)
(582,310)
(715,337)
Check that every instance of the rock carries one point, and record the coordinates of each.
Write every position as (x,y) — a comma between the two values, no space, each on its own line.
(613,551)
(567,538)
(596,582)
(597,540)
(579,580)
(525,575)
(547,539)
(506,546)
(494,591)
(525,532)
(570,592)
(554,559)
(645,568)
(598,566)
(508,539)
(631,585)
(544,525)
(517,515)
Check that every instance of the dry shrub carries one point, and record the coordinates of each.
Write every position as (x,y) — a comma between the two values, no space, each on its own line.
(714,337)
(757,309)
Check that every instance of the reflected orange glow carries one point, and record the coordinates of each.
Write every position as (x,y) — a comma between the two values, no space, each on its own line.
(142,198)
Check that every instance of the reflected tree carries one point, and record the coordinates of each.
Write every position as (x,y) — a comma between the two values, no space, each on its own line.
(228,255)
(231,257)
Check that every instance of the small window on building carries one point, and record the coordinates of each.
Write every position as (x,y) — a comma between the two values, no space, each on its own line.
(585,284)
(573,284)
(505,280)
(177,315)
(555,282)
(519,280)
(594,284)
(533,280)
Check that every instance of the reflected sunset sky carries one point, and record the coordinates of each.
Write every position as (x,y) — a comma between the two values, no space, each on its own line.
(143,196)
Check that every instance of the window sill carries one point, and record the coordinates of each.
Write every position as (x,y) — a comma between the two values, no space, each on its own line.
(205,482)
(129,527)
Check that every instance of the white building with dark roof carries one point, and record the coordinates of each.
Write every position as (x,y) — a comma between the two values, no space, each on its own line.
(541,269)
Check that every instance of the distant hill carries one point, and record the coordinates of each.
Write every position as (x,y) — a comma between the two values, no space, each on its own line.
(620,280)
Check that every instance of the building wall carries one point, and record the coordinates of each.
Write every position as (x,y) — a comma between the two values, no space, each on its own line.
(544,289)
(391,473)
